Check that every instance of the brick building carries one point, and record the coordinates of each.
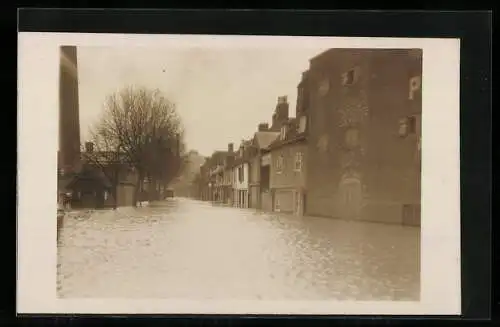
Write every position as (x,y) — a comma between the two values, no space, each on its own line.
(265,200)
(288,163)
(364,111)
(261,140)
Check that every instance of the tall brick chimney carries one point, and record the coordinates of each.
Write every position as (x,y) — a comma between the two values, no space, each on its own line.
(230,147)
(263,127)
(280,115)
(89,147)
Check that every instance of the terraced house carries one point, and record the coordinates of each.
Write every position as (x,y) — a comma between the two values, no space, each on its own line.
(241,175)
(227,176)
(258,177)
(204,180)
(288,180)
(217,165)
(353,149)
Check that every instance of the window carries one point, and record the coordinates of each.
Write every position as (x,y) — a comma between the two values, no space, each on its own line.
(403,127)
(352,137)
(349,77)
(283,132)
(241,176)
(279,164)
(302,124)
(300,96)
(298,161)
(324,86)
(408,126)
(412,125)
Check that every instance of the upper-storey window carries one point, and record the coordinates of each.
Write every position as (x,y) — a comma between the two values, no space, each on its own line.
(298,161)
(283,132)
(302,124)
(324,86)
(279,164)
(408,126)
(349,77)
(352,137)
(241,176)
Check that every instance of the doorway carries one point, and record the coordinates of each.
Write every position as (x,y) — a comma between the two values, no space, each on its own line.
(351,198)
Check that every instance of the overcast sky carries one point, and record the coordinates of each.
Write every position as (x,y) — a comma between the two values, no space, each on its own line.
(222,94)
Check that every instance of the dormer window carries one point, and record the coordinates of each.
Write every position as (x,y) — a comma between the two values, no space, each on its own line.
(283,132)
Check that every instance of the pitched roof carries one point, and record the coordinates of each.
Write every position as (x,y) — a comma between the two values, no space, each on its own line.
(64,181)
(106,156)
(216,156)
(292,135)
(264,139)
(90,176)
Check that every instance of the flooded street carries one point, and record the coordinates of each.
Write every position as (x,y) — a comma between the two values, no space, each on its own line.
(187,249)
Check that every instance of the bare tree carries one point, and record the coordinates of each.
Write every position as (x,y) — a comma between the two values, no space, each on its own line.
(142,125)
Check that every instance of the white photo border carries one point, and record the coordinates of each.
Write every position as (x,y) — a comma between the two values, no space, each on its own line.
(38,60)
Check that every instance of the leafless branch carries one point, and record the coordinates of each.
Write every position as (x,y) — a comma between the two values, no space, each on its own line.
(143,126)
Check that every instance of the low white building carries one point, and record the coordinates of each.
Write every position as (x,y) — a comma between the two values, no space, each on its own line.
(240,177)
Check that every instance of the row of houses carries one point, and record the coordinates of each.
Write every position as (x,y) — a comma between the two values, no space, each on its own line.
(351,151)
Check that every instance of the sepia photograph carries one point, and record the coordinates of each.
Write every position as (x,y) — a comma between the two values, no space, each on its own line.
(240,173)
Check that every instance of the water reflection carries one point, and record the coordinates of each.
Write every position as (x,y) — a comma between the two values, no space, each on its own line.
(188,249)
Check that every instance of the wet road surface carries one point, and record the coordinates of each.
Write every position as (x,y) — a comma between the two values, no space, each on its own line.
(186,249)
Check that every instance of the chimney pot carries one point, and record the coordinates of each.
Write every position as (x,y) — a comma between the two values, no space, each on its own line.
(282,99)
(263,127)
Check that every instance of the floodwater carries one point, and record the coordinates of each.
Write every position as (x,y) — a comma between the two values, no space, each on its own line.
(187,249)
